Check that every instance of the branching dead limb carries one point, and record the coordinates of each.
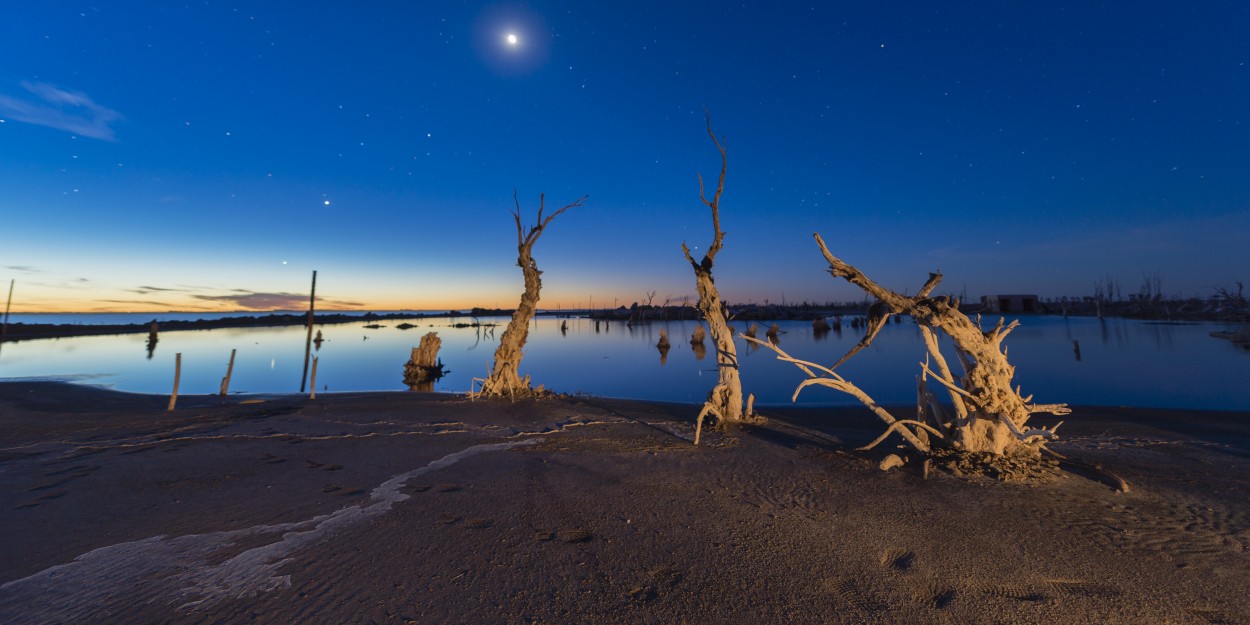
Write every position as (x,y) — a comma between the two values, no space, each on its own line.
(990,416)
(503,378)
(725,400)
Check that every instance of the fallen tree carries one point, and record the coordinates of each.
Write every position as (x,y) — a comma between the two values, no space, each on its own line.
(988,415)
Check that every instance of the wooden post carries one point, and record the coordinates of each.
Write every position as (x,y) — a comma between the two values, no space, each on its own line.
(4,327)
(313,393)
(173,397)
(225,382)
(312,300)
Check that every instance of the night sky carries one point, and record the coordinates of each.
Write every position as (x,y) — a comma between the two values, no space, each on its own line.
(210,156)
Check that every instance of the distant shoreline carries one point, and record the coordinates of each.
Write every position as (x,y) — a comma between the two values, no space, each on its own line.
(634,314)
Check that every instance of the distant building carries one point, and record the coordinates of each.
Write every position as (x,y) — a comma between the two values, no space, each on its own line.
(1010,303)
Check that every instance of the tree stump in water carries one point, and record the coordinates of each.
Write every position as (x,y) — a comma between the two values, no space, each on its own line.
(423,367)
(663,344)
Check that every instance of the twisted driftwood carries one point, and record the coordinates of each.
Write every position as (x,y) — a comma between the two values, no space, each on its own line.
(989,415)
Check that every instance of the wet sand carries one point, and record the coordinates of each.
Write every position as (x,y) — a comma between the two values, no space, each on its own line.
(430,508)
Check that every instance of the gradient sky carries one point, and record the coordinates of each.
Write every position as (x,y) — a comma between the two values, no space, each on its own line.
(211,155)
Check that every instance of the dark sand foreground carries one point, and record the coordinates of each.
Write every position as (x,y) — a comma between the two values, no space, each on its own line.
(420,508)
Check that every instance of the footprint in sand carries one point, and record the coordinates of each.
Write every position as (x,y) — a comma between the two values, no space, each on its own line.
(658,581)
(900,560)
(479,524)
(574,536)
(850,596)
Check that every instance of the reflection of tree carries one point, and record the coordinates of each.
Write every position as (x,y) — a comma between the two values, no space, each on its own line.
(700,350)
(153,339)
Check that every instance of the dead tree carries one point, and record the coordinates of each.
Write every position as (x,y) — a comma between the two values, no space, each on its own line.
(423,366)
(989,415)
(663,344)
(725,400)
(503,378)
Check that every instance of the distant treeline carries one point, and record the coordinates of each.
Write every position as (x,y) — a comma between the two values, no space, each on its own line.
(1224,306)
(21,331)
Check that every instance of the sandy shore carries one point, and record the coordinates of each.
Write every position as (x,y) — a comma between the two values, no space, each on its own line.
(422,508)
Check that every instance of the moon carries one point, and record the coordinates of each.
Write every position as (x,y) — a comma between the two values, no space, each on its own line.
(512,39)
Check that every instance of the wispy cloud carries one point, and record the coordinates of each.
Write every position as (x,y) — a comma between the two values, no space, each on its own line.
(144,290)
(259,301)
(24,268)
(71,111)
(143,302)
(274,301)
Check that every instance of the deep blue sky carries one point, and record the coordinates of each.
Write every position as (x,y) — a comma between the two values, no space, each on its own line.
(161,156)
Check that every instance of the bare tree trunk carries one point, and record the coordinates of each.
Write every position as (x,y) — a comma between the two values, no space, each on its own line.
(504,378)
(725,399)
(423,367)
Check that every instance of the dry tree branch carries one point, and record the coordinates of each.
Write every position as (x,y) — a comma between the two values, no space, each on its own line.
(931,342)
(877,320)
(837,382)
(898,425)
(714,204)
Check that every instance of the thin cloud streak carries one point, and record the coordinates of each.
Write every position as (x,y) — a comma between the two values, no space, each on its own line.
(71,111)
(260,301)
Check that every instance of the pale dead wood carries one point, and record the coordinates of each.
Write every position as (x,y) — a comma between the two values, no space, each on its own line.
(423,365)
(990,416)
(698,335)
(837,382)
(504,378)
(725,400)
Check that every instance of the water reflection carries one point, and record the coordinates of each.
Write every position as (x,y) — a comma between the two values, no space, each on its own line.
(699,349)
(662,345)
(1120,362)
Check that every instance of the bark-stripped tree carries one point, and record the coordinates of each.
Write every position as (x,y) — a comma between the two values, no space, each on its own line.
(504,378)
(725,400)
(989,415)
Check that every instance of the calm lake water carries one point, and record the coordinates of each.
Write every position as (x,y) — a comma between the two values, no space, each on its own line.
(1123,362)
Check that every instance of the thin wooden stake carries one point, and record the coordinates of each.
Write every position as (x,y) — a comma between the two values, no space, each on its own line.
(173,397)
(313,394)
(312,301)
(4,327)
(225,382)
